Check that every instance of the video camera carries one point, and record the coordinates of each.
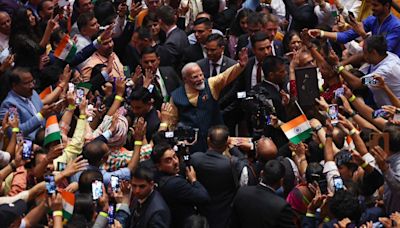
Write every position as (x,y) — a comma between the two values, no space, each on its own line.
(260,107)
(183,137)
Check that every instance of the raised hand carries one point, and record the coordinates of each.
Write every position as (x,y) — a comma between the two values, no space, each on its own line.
(140,129)
(243,57)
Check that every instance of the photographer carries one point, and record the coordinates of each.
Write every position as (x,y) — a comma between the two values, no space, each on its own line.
(219,175)
(271,88)
(182,196)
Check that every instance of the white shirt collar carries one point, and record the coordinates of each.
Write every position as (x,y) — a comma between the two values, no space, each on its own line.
(219,62)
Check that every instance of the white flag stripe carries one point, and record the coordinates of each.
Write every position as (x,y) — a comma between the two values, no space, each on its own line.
(297,130)
(51,129)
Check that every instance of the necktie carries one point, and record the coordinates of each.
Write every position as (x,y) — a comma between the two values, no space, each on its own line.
(214,72)
(258,75)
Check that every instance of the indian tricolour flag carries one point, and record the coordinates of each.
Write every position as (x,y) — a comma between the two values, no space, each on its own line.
(297,129)
(52,132)
(66,49)
(68,201)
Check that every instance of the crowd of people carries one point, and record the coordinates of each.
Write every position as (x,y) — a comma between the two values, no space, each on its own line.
(199,113)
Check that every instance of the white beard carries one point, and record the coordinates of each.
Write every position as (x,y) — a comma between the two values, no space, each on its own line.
(200,87)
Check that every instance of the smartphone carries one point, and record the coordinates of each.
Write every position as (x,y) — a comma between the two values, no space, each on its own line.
(115,183)
(27,150)
(323,186)
(97,190)
(368,80)
(20,138)
(80,93)
(127,72)
(379,113)
(339,92)
(111,214)
(61,166)
(71,87)
(50,184)
(186,159)
(90,109)
(268,119)
(338,183)
(12,113)
(333,113)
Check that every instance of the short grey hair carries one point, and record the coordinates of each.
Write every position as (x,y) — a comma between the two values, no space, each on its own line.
(187,67)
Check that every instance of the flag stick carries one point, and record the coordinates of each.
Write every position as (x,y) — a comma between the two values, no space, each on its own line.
(301,110)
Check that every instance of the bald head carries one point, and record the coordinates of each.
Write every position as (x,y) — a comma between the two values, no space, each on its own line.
(266,149)
(218,137)
(5,23)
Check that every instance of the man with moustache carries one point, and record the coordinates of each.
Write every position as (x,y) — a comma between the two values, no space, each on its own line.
(195,103)
(181,195)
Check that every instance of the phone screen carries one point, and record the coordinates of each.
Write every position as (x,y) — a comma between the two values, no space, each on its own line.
(27,149)
(80,93)
(50,184)
(12,113)
(114,183)
(61,166)
(338,183)
(369,80)
(338,93)
(379,113)
(333,113)
(111,214)
(97,190)
(20,138)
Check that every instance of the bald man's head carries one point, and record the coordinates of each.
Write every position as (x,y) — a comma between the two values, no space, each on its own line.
(5,23)
(218,137)
(266,149)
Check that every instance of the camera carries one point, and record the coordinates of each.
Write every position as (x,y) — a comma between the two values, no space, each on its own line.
(260,107)
(181,133)
(183,137)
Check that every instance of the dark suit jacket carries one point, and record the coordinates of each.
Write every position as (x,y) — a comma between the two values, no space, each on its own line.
(170,77)
(155,213)
(192,53)
(215,172)
(181,197)
(302,16)
(171,51)
(131,58)
(258,206)
(244,80)
(227,97)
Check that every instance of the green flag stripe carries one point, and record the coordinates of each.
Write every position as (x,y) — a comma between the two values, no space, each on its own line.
(300,137)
